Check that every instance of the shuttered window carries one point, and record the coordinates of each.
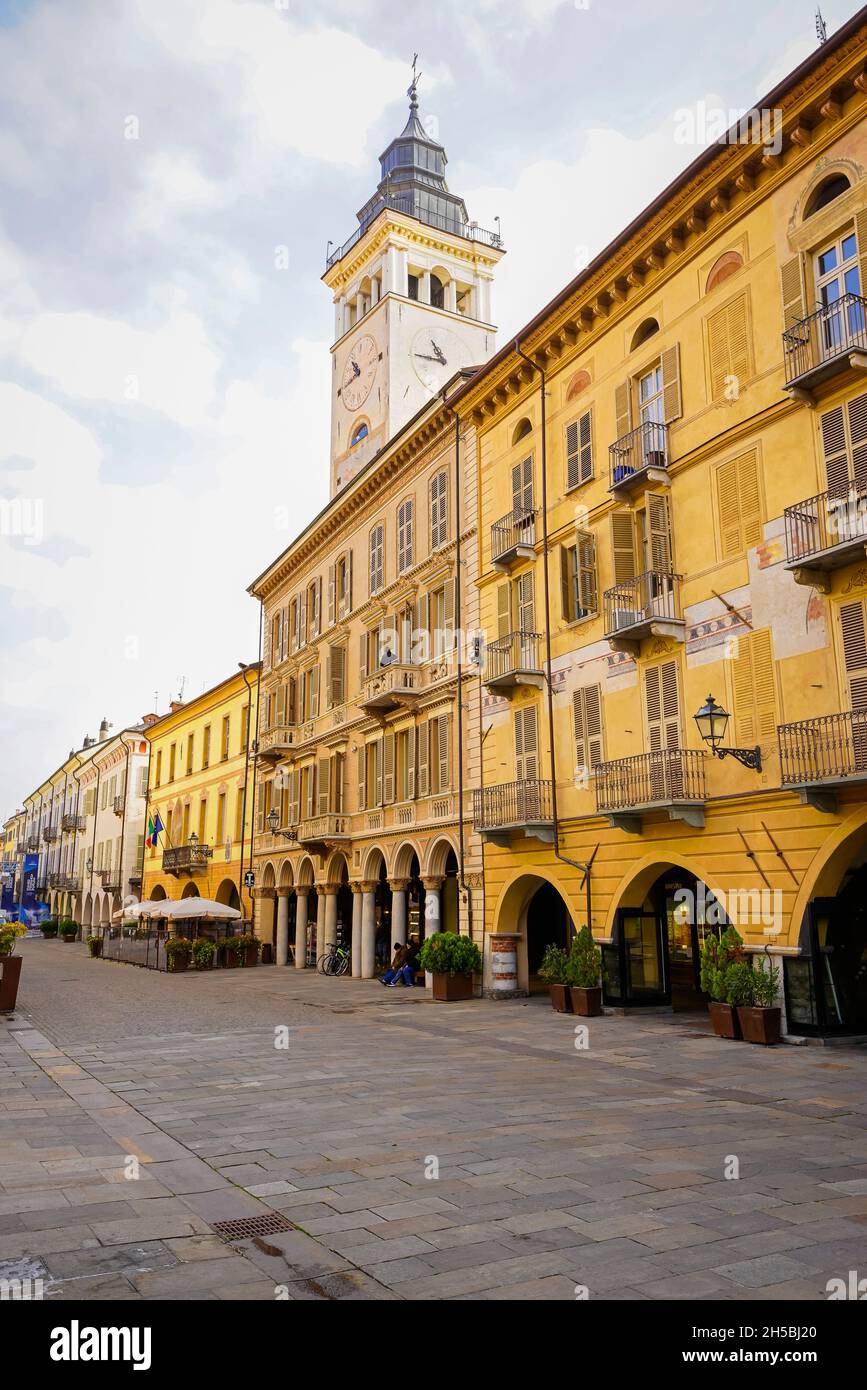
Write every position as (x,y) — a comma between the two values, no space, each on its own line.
(405,536)
(579,450)
(439,510)
(623,408)
(672,407)
(323,780)
(527,744)
(623,546)
(587,718)
(662,706)
(336,676)
(526,602)
(522,488)
(755,703)
(424,759)
(438,741)
(852,627)
(729,347)
(739,505)
(792,287)
(578,587)
(658,533)
(377,559)
(844,446)
(388,768)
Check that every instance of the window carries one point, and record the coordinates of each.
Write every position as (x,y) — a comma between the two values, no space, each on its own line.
(405,772)
(377,559)
(739,505)
(587,718)
(206,747)
(439,516)
(650,396)
(844,436)
(295,623)
(579,451)
(190,756)
(728,264)
(159,776)
(203,819)
(239,816)
(831,188)
(437,292)
(172,763)
(310,693)
(662,705)
(335,680)
(526,744)
(578,578)
(360,432)
(313,607)
(644,331)
(221,818)
(852,627)
(412,286)
(245,727)
(522,488)
(142,781)
(404,536)
(729,352)
(755,705)
(522,429)
(224,751)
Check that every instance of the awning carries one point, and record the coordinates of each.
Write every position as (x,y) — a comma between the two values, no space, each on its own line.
(179,909)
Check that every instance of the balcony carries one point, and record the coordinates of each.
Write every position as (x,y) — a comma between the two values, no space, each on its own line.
(324,832)
(824,533)
(639,457)
(513,661)
(514,808)
(390,687)
(829,342)
(72,824)
(42,884)
(187,859)
(276,741)
(818,756)
(118,805)
(110,880)
(646,606)
(72,883)
(671,779)
(412,205)
(56,880)
(31,844)
(513,538)
(49,834)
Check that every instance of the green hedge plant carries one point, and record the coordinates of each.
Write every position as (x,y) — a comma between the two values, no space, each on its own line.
(717,955)
(584,965)
(448,953)
(555,965)
(740,981)
(68,929)
(766,985)
(178,948)
(203,953)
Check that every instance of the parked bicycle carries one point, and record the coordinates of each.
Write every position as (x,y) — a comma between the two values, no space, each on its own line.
(335,961)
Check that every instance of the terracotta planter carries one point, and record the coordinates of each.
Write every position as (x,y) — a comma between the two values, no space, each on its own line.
(69,940)
(587,1003)
(178,964)
(724,1019)
(251,955)
(95,950)
(760,1025)
(267,957)
(561,998)
(229,960)
(448,988)
(10,973)
(50,933)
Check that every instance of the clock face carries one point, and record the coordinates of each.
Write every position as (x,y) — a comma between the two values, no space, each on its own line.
(359,373)
(436,354)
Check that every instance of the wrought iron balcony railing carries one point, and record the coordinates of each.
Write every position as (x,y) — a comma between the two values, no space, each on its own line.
(72,824)
(117,805)
(635,453)
(821,344)
(831,748)
(412,207)
(514,660)
(31,844)
(825,531)
(637,607)
(56,880)
(668,777)
(72,883)
(49,834)
(513,537)
(388,687)
(512,805)
(110,880)
(187,859)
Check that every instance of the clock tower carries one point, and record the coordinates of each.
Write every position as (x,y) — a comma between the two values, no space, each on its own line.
(412,299)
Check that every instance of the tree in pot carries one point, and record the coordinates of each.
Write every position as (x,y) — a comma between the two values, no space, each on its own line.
(584,973)
(754,992)
(452,960)
(227,956)
(9,934)
(203,953)
(247,948)
(178,952)
(49,928)
(94,945)
(718,955)
(69,931)
(10,966)
(554,970)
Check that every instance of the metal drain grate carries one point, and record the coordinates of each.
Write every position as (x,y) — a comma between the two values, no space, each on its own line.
(252,1226)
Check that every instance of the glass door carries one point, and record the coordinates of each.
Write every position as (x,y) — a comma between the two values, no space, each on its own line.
(838,275)
(644,957)
(650,415)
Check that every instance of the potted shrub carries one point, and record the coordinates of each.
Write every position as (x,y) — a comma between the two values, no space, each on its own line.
(69,932)
(94,945)
(584,972)
(555,971)
(178,952)
(10,965)
(452,960)
(203,953)
(226,953)
(49,928)
(9,934)
(247,948)
(760,1015)
(718,955)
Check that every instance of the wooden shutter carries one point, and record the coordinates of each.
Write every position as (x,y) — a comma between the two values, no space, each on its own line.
(347,602)
(792,285)
(526,603)
(404,536)
(423,759)
(443,758)
(281,704)
(672,405)
(755,712)
(587,711)
(439,511)
(855,653)
(294,796)
(323,781)
(504,609)
(411,740)
(623,546)
(526,744)
(337,676)
(291,700)
(579,451)
(377,771)
(567,597)
(623,408)
(844,446)
(362,658)
(388,769)
(658,533)
(586,547)
(260,810)
(856,418)
(332,595)
(522,487)
(449,613)
(420,621)
(314,692)
(739,505)
(362,776)
(728,346)
(663,706)
(310,807)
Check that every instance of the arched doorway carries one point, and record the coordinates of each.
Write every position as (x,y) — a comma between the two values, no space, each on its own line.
(375,872)
(654,958)
(338,872)
(191,891)
(548,924)
(158,894)
(227,893)
(450,901)
(826,985)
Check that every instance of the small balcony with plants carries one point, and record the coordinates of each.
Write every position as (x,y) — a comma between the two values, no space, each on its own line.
(646,606)
(825,344)
(639,457)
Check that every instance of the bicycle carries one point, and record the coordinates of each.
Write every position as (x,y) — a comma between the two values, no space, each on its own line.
(335,961)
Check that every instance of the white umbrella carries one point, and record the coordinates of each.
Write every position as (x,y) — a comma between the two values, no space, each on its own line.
(132,911)
(189,909)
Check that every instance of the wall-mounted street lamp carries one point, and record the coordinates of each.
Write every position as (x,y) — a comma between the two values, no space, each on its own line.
(273,820)
(712,721)
(194,839)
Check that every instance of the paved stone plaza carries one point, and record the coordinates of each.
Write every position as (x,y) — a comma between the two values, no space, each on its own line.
(557,1167)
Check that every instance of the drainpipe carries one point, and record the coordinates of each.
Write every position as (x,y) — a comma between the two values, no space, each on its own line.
(468,897)
(75,772)
(123,813)
(255,749)
(93,841)
(585,868)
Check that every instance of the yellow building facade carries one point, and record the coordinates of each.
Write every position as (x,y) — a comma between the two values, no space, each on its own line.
(673,502)
(201,784)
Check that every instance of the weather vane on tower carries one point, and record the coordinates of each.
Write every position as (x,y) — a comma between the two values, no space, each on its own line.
(412,89)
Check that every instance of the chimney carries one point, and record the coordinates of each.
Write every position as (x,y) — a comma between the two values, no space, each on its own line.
(148,719)
(176,705)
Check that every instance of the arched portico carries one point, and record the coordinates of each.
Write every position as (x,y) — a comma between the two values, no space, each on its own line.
(534,910)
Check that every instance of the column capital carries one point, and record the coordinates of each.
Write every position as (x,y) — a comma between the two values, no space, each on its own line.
(398,885)
(432,884)
(355,887)
(328,890)
(304,889)
(286,892)
(265,893)
(370,885)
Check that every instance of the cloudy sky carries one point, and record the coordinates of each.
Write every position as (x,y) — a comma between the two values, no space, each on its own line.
(172,171)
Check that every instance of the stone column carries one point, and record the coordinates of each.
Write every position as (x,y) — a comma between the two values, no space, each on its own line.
(359,306)
(432,914)
(357,903)
(329,893)
(302,894)
(398,888)
(368,931)
(424,287)
(283,896)
(402,280)
(451,300)
(262,924)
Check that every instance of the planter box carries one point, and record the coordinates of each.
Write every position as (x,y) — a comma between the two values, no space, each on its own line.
(95,950)
(760,1025)
(229,960)
(49,933)
(586,1003)
(10,973)
(724,1019)
(70,940)
(177,964)
(449,988)
(251,955)
(561,998)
